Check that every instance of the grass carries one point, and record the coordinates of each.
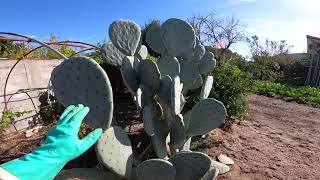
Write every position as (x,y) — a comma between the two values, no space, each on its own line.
(300,94)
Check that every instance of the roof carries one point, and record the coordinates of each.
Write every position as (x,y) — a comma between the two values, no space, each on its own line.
(313,37)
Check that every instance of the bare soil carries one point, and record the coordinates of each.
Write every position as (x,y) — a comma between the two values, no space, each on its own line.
(281,140)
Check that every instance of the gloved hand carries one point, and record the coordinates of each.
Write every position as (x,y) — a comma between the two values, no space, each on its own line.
(61,146)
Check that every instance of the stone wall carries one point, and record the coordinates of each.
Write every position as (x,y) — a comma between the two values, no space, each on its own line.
(27,81)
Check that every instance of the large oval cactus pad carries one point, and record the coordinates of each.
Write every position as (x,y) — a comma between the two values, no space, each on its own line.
(178,37)
(206,115)
(114,151)
(190,165)
(125,35)
(156,169)
(154,39)
(80,80)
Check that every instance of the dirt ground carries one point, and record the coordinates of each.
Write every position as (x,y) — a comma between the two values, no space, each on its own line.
(281,140)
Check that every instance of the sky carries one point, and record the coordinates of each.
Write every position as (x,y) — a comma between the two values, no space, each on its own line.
(88,21)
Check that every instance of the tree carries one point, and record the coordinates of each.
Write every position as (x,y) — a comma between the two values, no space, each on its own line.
(217,32)
(270,51)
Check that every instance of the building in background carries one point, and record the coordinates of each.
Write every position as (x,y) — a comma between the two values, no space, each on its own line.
(313,50)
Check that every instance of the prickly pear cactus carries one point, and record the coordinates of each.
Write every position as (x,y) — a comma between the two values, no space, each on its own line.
(80,80)
(160,91)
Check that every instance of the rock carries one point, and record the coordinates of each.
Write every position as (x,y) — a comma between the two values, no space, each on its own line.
(221,167)
(225,159)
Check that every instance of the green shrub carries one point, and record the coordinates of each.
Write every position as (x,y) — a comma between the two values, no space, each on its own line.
(8,118)
(229,86)
(258,71)
(300,94)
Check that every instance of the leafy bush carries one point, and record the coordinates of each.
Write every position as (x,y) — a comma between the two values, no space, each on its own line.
(230,86)
(8,117)
(304,94)
(257,71)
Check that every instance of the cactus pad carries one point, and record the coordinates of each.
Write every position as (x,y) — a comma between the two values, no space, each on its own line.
(206,115)
(154,39)
(165,91)
(169,66)
(190,165)
(129,75)
(176,95)
(111,55)
(149,75)
(81,80)
(125,35)
(156,169)
(158,140)
(114,151)
(186,119)
(199,51)
(148,121)
(186,146)
(211,174)
(188,74)
(206,88)
(86,173)
(136,64)
(178,37)
(143,52)
(207,63)
(177,132)
(197,83)
(139,98)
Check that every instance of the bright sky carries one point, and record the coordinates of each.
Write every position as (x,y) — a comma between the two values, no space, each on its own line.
(88,21)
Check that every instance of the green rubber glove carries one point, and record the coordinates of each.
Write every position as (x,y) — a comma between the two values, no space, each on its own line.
(61,146)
